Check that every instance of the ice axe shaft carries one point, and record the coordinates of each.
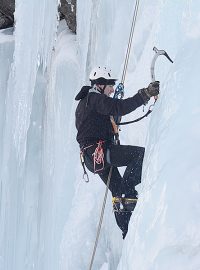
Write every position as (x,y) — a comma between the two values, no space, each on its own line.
(157,53)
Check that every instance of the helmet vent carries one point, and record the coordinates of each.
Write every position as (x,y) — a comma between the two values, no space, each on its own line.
(101,72)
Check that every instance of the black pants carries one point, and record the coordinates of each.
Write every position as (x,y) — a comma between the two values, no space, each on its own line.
(119,156)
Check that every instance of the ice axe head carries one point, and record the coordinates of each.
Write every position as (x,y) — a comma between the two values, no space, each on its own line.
(162,52)
(157,53)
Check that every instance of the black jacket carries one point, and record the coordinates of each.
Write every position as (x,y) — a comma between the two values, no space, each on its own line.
(93,114)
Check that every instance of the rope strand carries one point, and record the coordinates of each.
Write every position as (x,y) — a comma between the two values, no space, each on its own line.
(130,41)
(101,218)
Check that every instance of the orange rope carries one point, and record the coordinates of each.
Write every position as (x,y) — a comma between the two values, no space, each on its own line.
(98,156)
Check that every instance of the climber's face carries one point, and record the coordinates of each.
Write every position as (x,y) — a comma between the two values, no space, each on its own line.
(108,90)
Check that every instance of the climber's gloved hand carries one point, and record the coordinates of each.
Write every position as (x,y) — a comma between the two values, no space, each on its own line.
(151,91)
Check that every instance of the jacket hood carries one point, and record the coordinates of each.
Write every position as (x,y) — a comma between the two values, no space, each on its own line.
(83,93)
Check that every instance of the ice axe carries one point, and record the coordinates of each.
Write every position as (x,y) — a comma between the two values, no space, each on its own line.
(157,53)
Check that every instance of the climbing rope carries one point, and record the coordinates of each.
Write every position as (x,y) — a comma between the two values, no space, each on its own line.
(130,41)
(101,218)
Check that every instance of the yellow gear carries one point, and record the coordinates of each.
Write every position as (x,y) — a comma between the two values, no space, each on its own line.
(121,204)
(123,200)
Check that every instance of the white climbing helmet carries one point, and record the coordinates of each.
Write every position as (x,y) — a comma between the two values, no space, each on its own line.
(102,75)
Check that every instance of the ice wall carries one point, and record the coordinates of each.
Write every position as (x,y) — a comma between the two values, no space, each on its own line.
(60,154)
(164,232)
(31,217)
(154,240)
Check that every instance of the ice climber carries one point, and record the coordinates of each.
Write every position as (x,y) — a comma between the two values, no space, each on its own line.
(96,140)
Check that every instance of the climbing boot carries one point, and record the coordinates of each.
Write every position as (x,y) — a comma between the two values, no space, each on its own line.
(121,204)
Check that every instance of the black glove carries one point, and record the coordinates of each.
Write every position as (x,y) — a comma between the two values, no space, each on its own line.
(150,91)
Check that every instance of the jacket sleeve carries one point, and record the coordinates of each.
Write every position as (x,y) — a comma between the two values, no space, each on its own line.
(117,107)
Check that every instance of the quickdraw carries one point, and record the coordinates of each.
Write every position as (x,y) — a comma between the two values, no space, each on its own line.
(85,174)
(98,157)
